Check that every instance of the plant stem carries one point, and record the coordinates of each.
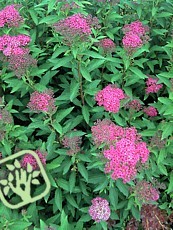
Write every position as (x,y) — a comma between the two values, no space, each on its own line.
(80,82)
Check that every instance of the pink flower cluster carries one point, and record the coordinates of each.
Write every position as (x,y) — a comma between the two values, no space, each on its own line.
(152,86)
(125,149)
(145,192)
(10,16)
(150,111)
(110,98)
(29,159)
(134,105)
(72,143)
(107,45)
(135,34)
(14,45)
(106,132)
(76,26)
(99,210)
(42,102)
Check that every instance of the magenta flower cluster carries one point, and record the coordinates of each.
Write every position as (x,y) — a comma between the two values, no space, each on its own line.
(99,210)
(75,27)
(150,111)
(135,35)
(14,45)
(110,97)
(145,192)
(42,102)
(10,16)
(29,159)
(152,85)
(107,45)
(125,150)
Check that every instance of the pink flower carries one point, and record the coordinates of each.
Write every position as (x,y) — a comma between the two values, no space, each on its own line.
(29,159)
(145,192)
(75,27)
(136,28)
(72,143)
(110,98)
(152,86)
(150,111)
(106,131)
(10,16)
(132,40)
(99,210)
(107,44)
(42,102)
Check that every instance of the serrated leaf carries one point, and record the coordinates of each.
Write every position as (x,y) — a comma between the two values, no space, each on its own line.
(83,171)
(85,113)
(35,181)
(170,186)
(85,73)
(113,196)
(58,198)
(122,187)
(72,181)
(61,114)
(72,201)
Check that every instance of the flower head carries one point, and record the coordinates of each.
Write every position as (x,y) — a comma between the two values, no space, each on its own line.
(29,159)
(152,85)
(76,27)
(107,45)
(145,192)
(10,16)
(99,210)
(131,40)
(42,102)
(150,111)
(110,98)
(134,105)
(72,143)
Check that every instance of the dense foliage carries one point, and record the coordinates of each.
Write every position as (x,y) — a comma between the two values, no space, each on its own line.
(88,86)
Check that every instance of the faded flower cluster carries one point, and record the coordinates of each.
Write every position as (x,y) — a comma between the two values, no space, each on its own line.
(99,210)
(152,86)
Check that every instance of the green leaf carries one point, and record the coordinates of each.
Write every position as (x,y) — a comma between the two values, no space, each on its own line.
(61,62)
(170,186)
(83,171)
(122,187)
(72,201)
(61,114)
(74,89)
(58,198)
(162,168)
(72,181)
(85,113)
(50,142)
(55,163)
(113,196)
(33,16)
(135,212)
(59,51)
(138,72)
(85,73)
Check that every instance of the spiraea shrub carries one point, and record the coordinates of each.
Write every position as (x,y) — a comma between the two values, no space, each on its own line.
(88,86)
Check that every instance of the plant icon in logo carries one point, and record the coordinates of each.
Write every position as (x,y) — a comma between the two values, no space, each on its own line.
(19,181)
